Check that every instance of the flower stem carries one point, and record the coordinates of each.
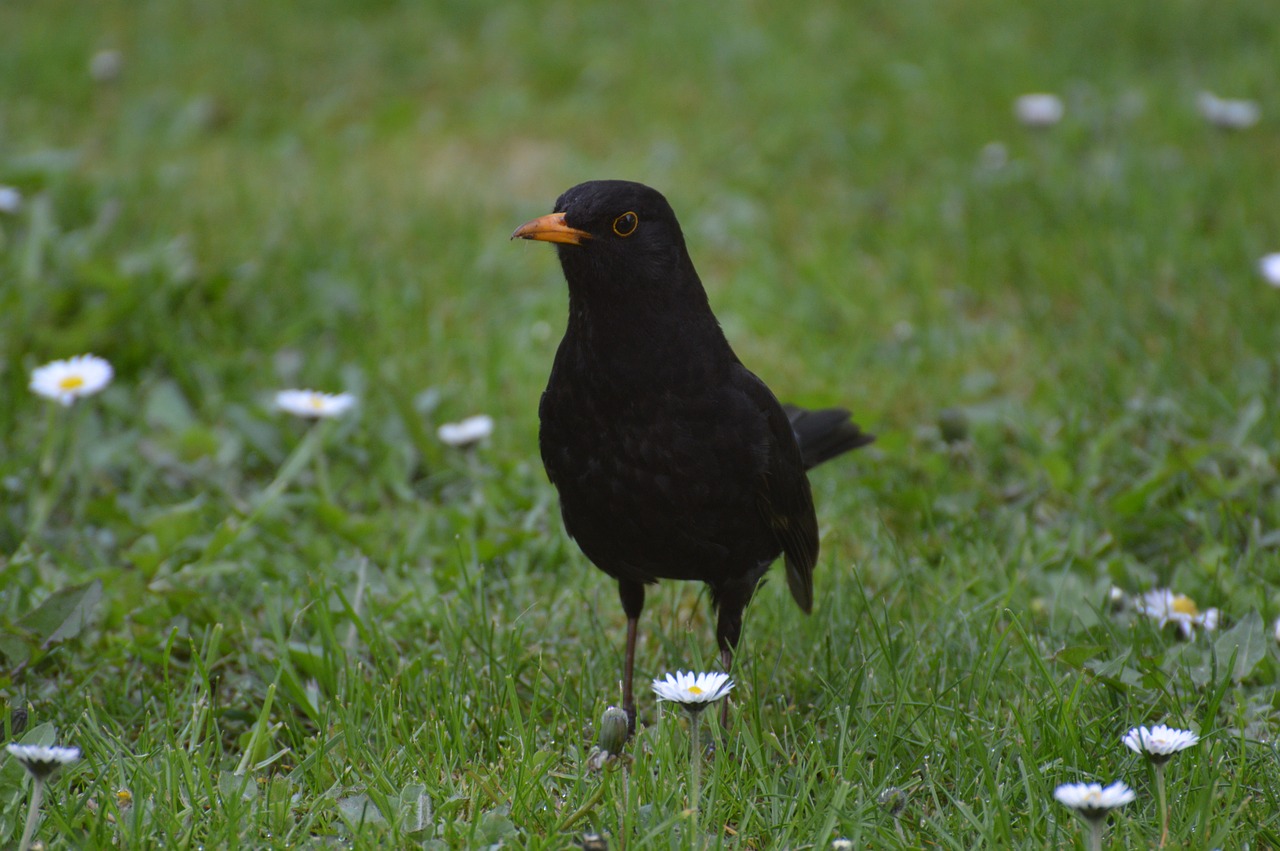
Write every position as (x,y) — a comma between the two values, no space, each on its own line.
(1095,834)
(33,813)
(1164,806)
(695,787)
(322,471)
(587,805)
(231,531)
(44,495)
(626,811)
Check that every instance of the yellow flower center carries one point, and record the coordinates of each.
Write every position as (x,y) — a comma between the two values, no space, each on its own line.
(71,382)
(694,690)
(316,402)
(1184,605)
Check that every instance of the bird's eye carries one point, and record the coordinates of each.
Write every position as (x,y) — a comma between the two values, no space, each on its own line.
(625,225)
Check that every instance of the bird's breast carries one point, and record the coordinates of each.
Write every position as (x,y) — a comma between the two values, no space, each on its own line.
(656,480)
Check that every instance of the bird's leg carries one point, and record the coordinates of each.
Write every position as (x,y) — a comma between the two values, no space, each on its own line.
(628,670)
(632,596)
(726,659)
(728,630)
(731,600)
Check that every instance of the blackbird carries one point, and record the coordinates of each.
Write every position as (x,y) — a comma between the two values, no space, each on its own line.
(671,458)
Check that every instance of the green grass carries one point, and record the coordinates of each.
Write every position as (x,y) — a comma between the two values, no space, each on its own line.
(320,195)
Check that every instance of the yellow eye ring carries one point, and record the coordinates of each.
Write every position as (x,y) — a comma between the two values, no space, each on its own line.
(625,225)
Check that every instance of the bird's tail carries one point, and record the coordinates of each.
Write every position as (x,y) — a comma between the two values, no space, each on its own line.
(824,434)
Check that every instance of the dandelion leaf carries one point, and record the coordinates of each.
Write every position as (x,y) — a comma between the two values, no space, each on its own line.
(1247,641)
(61,616)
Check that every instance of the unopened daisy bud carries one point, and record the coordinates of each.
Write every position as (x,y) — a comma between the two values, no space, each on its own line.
(894,800)
(613,731)
(953,425)
(17,721)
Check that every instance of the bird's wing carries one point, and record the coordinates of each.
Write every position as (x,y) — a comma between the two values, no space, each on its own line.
(784,499)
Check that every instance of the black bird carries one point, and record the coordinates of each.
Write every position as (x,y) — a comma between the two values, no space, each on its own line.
(672,459)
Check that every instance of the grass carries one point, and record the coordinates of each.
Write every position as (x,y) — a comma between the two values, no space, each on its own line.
(273,196)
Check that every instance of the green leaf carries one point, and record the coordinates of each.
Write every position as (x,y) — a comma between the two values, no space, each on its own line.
(1248,641)
(61,616)
(64,613)
(1078,655)
(415,809)
(360,809)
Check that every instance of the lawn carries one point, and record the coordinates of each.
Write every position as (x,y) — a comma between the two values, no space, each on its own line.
(266,633)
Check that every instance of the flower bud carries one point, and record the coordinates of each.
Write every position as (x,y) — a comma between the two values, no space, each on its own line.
(613,731)
(894,800)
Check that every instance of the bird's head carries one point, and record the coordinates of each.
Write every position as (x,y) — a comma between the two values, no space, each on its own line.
(614,233)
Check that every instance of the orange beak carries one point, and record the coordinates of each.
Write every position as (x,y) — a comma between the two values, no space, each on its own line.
(551,228)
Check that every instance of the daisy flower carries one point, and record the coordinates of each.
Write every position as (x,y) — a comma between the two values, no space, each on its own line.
(1092,800)
(1163,606)
(1227,113)
(1269,266)
(468,432)
(695,692)
(105,66)
(68,380)
(314,405)
(1039,109)
(10,200)
(1160,742)
(42,760)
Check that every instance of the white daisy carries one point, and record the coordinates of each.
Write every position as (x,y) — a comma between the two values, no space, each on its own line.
(694,692)
(315,405)
(1163,606)
(468,432)
(1227,113)
(1277,630)
(10,200)
(68,380)
(1160,742)
(1039,109)
(42,760)
(1269,266)
(1092,800)
(105,65)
